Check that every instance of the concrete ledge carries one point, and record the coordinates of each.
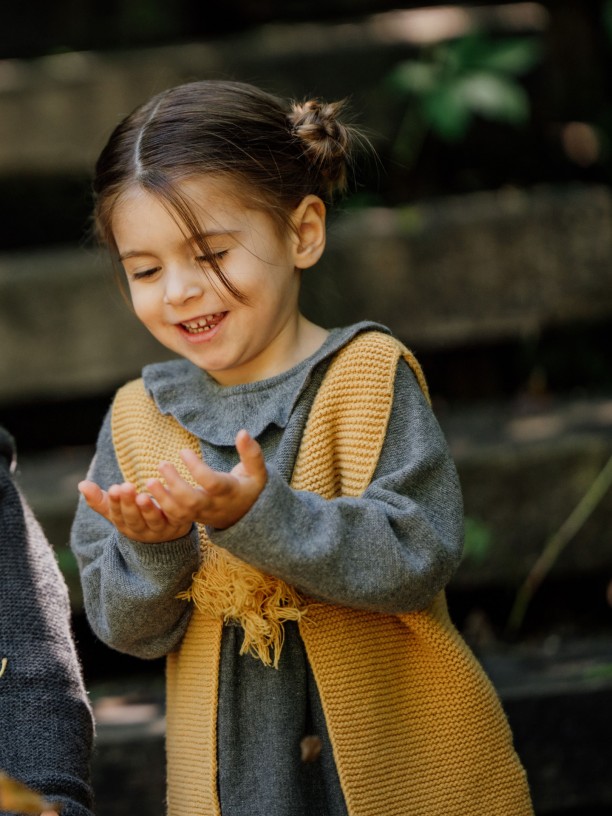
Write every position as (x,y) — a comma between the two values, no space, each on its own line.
(522,473)
(64,328)
(472,268)
(456,271)
(56,112)
(558,698)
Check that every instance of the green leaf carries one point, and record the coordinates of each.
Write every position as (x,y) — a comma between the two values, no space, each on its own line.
(478,540)
(493,97)
(414,77)
(447,112)
(511,56)
(466,52)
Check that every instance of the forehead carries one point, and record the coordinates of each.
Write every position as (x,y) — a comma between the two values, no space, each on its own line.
(202,195)
(193,206)
(198,211)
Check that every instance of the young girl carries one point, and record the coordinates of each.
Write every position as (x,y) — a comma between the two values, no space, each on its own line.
(276,510)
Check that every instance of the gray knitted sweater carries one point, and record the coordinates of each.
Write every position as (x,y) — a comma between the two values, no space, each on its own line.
(45,719)
(391,550)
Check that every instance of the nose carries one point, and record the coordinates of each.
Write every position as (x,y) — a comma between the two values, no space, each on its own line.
(183,283)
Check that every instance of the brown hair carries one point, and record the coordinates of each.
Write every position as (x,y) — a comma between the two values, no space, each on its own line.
(277,152)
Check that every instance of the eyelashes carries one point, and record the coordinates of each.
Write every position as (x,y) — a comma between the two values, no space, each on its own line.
(145,273)
(202,260)
(212,257)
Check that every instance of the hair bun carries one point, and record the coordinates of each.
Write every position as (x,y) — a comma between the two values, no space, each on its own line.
(325,139)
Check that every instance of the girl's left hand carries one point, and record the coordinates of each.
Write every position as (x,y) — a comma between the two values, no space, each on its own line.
(220,499)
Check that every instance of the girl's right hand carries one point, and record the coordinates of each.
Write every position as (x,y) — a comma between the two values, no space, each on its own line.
(134,514)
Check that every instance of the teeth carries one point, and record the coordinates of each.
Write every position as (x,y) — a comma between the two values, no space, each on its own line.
(203,324)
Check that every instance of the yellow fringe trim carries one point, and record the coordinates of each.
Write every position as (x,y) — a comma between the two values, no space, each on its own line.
(229,589)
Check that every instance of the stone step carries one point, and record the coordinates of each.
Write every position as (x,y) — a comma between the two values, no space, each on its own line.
(57,111)
(557,695)
(65,330)
(470,269)
(521,473)
(458,271)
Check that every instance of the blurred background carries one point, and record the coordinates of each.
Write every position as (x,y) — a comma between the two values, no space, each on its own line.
(482,235)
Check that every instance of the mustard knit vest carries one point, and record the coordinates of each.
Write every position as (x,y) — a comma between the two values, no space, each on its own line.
(416,726)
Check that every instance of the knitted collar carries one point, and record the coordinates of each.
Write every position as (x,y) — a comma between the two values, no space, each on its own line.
(253,406)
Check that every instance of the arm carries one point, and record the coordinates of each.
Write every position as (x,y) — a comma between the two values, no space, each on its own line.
(393,549)
(45,720)
(130,587)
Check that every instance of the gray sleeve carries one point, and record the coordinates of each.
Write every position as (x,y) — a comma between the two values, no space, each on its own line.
(393,549)
(46,727)
(130,588)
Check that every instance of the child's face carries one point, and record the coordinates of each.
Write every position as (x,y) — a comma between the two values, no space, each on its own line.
(173,296)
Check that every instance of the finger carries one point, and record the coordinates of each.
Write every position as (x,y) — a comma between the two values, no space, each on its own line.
(177,492)
(157,491)
(124,510)
(173,478)
(118,496)
(251,456)
(153,516)
(92,493)
(212,481)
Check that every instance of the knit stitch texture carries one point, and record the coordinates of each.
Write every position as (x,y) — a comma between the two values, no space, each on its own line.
(415,724)
(45,719)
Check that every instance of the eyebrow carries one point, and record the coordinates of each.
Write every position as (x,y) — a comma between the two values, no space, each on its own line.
(133,253)
(139,253)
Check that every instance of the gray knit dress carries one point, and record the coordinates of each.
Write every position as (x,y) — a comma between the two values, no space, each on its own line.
(392,550)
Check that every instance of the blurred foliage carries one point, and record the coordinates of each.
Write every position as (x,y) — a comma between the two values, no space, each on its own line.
(39,27)
(455,81)
(478,540)
(606,14)
(70,570)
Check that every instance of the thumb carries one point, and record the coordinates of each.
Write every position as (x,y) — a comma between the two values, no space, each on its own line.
(251,456)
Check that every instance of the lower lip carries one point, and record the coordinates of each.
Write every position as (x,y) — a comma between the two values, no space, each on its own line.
(202,337)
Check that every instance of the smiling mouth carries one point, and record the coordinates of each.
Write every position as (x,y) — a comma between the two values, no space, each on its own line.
(203,324)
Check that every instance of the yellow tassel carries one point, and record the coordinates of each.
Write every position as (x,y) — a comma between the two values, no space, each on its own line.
(227,588)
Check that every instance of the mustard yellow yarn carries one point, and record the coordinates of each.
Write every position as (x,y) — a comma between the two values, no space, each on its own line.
(415,725)
(224,587)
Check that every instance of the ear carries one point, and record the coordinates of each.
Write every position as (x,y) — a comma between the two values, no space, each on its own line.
(309,225)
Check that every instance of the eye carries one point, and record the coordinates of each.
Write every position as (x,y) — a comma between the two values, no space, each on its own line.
(145,273)
(216,256)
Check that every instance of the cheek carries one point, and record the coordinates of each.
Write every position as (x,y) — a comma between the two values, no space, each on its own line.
(142,303)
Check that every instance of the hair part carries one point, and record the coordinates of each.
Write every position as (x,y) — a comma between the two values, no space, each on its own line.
(273,151)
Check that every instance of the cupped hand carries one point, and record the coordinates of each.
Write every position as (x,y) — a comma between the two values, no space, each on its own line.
(218,499)
(168,511)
